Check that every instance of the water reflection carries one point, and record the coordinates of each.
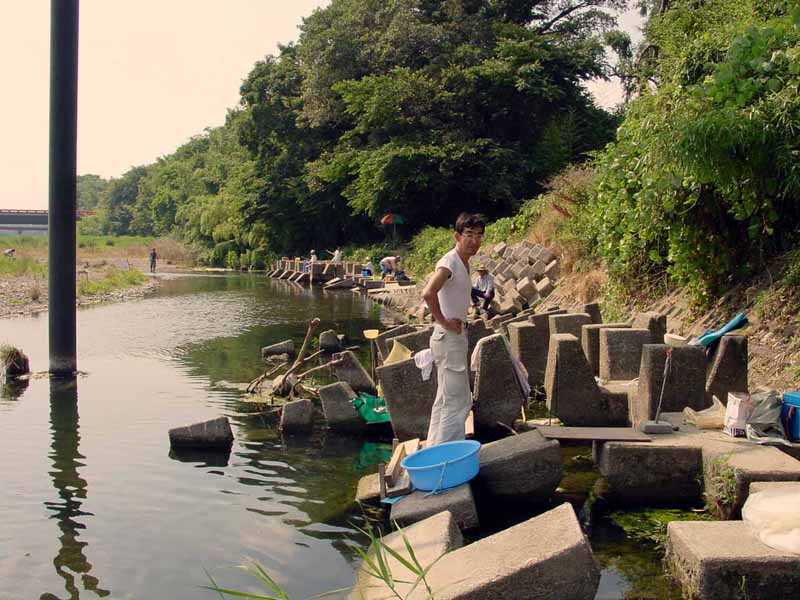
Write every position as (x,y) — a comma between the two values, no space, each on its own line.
(13,389)
(70,563)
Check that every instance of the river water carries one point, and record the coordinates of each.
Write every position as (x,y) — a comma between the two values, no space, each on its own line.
(92,504)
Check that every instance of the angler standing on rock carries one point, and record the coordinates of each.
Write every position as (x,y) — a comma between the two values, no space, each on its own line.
(448,297)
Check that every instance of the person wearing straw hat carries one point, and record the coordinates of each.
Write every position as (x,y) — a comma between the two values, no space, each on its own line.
(447,294)
(483,288)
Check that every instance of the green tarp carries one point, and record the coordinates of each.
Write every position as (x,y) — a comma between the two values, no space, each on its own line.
(371,408)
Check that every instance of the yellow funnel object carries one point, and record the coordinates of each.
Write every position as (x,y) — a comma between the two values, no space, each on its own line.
(371,334)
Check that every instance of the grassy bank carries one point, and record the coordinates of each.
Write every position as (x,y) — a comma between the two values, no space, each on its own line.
(114,279)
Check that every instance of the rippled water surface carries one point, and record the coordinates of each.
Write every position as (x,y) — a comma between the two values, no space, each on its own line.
(92,504)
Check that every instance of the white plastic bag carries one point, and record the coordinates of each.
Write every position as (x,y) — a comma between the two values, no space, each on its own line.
(774,517)
(737,412)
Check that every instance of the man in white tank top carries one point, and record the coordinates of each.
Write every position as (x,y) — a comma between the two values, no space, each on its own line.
(448,297)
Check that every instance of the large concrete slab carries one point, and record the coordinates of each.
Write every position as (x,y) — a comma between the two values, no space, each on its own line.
(429,539)
(215,433)
(297,415)
(544,558)
(724,559)
(525,468)
(498,397)
(420,505)
(408,398)
(654,322)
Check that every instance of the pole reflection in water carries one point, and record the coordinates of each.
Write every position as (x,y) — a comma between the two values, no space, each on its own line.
(70,562)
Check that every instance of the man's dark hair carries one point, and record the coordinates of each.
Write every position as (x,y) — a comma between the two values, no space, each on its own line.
(472,220)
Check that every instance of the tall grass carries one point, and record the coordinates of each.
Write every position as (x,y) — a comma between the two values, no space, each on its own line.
(124,246)
(115,279)
(21,265)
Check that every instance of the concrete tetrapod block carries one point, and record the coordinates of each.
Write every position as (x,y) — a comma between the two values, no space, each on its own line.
(724,559)
(524,344)
(569,323)
(593,310)
(590,342)
(297,415)
(329,341)
(685,383)
(537,343)
(572,392)
(498,397)
(621,353)
(525,468)
(415,341)
(527,289)
(429,539)
(339,412)
(408,398)
(500,249)
(552,270)
(369,489)
(215,433)
(347,368)
(544,558)
(380,341)
(655,323)
(728,371)
(285,347)
(419,505)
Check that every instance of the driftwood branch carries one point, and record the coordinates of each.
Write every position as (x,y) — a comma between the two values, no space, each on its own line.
(280,386)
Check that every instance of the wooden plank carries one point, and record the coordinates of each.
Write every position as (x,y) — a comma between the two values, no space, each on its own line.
(469,425)
(594,434)
(392,472)
(402,487)
(382,479)
(412,446)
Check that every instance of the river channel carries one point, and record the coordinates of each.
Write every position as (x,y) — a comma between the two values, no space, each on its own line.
(93,505)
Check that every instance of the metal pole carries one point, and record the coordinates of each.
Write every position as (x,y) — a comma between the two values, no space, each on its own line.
(62,198)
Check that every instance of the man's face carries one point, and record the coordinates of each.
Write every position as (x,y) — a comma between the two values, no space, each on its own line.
(469,242)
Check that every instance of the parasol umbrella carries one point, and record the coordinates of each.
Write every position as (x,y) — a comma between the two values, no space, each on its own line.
(393,219)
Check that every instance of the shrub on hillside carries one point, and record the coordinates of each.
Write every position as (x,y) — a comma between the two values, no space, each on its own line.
(703,180)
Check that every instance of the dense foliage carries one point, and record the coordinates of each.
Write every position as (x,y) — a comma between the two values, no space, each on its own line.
(419,107)
(703,180)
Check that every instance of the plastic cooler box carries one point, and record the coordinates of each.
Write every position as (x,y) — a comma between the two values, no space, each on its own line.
(790,415)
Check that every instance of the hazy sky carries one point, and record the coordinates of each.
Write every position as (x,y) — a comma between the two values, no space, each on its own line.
(152,74)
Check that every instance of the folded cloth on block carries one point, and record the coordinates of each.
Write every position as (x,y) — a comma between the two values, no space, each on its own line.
(774,517)
(519,369)
(424,361)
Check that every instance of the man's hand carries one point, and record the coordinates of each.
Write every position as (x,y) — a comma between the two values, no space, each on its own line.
(452,325)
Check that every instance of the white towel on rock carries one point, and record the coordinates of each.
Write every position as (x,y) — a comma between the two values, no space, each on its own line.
(424,361)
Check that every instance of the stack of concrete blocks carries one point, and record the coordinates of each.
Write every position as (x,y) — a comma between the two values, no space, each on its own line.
(346,368)
(569,323)
(546,558)
(621,353)
(498,396)
(685,384)
(337,406)
(523,274)
(573,394)
(728,369)
(409,398)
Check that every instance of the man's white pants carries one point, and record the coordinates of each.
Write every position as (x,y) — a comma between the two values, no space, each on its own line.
(453,397)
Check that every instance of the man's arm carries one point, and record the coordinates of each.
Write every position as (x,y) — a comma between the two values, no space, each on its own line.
(430,295)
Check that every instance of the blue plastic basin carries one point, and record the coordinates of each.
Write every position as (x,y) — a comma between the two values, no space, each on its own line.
(443,466)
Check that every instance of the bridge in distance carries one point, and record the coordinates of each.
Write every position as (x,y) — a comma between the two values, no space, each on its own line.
(18,222)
